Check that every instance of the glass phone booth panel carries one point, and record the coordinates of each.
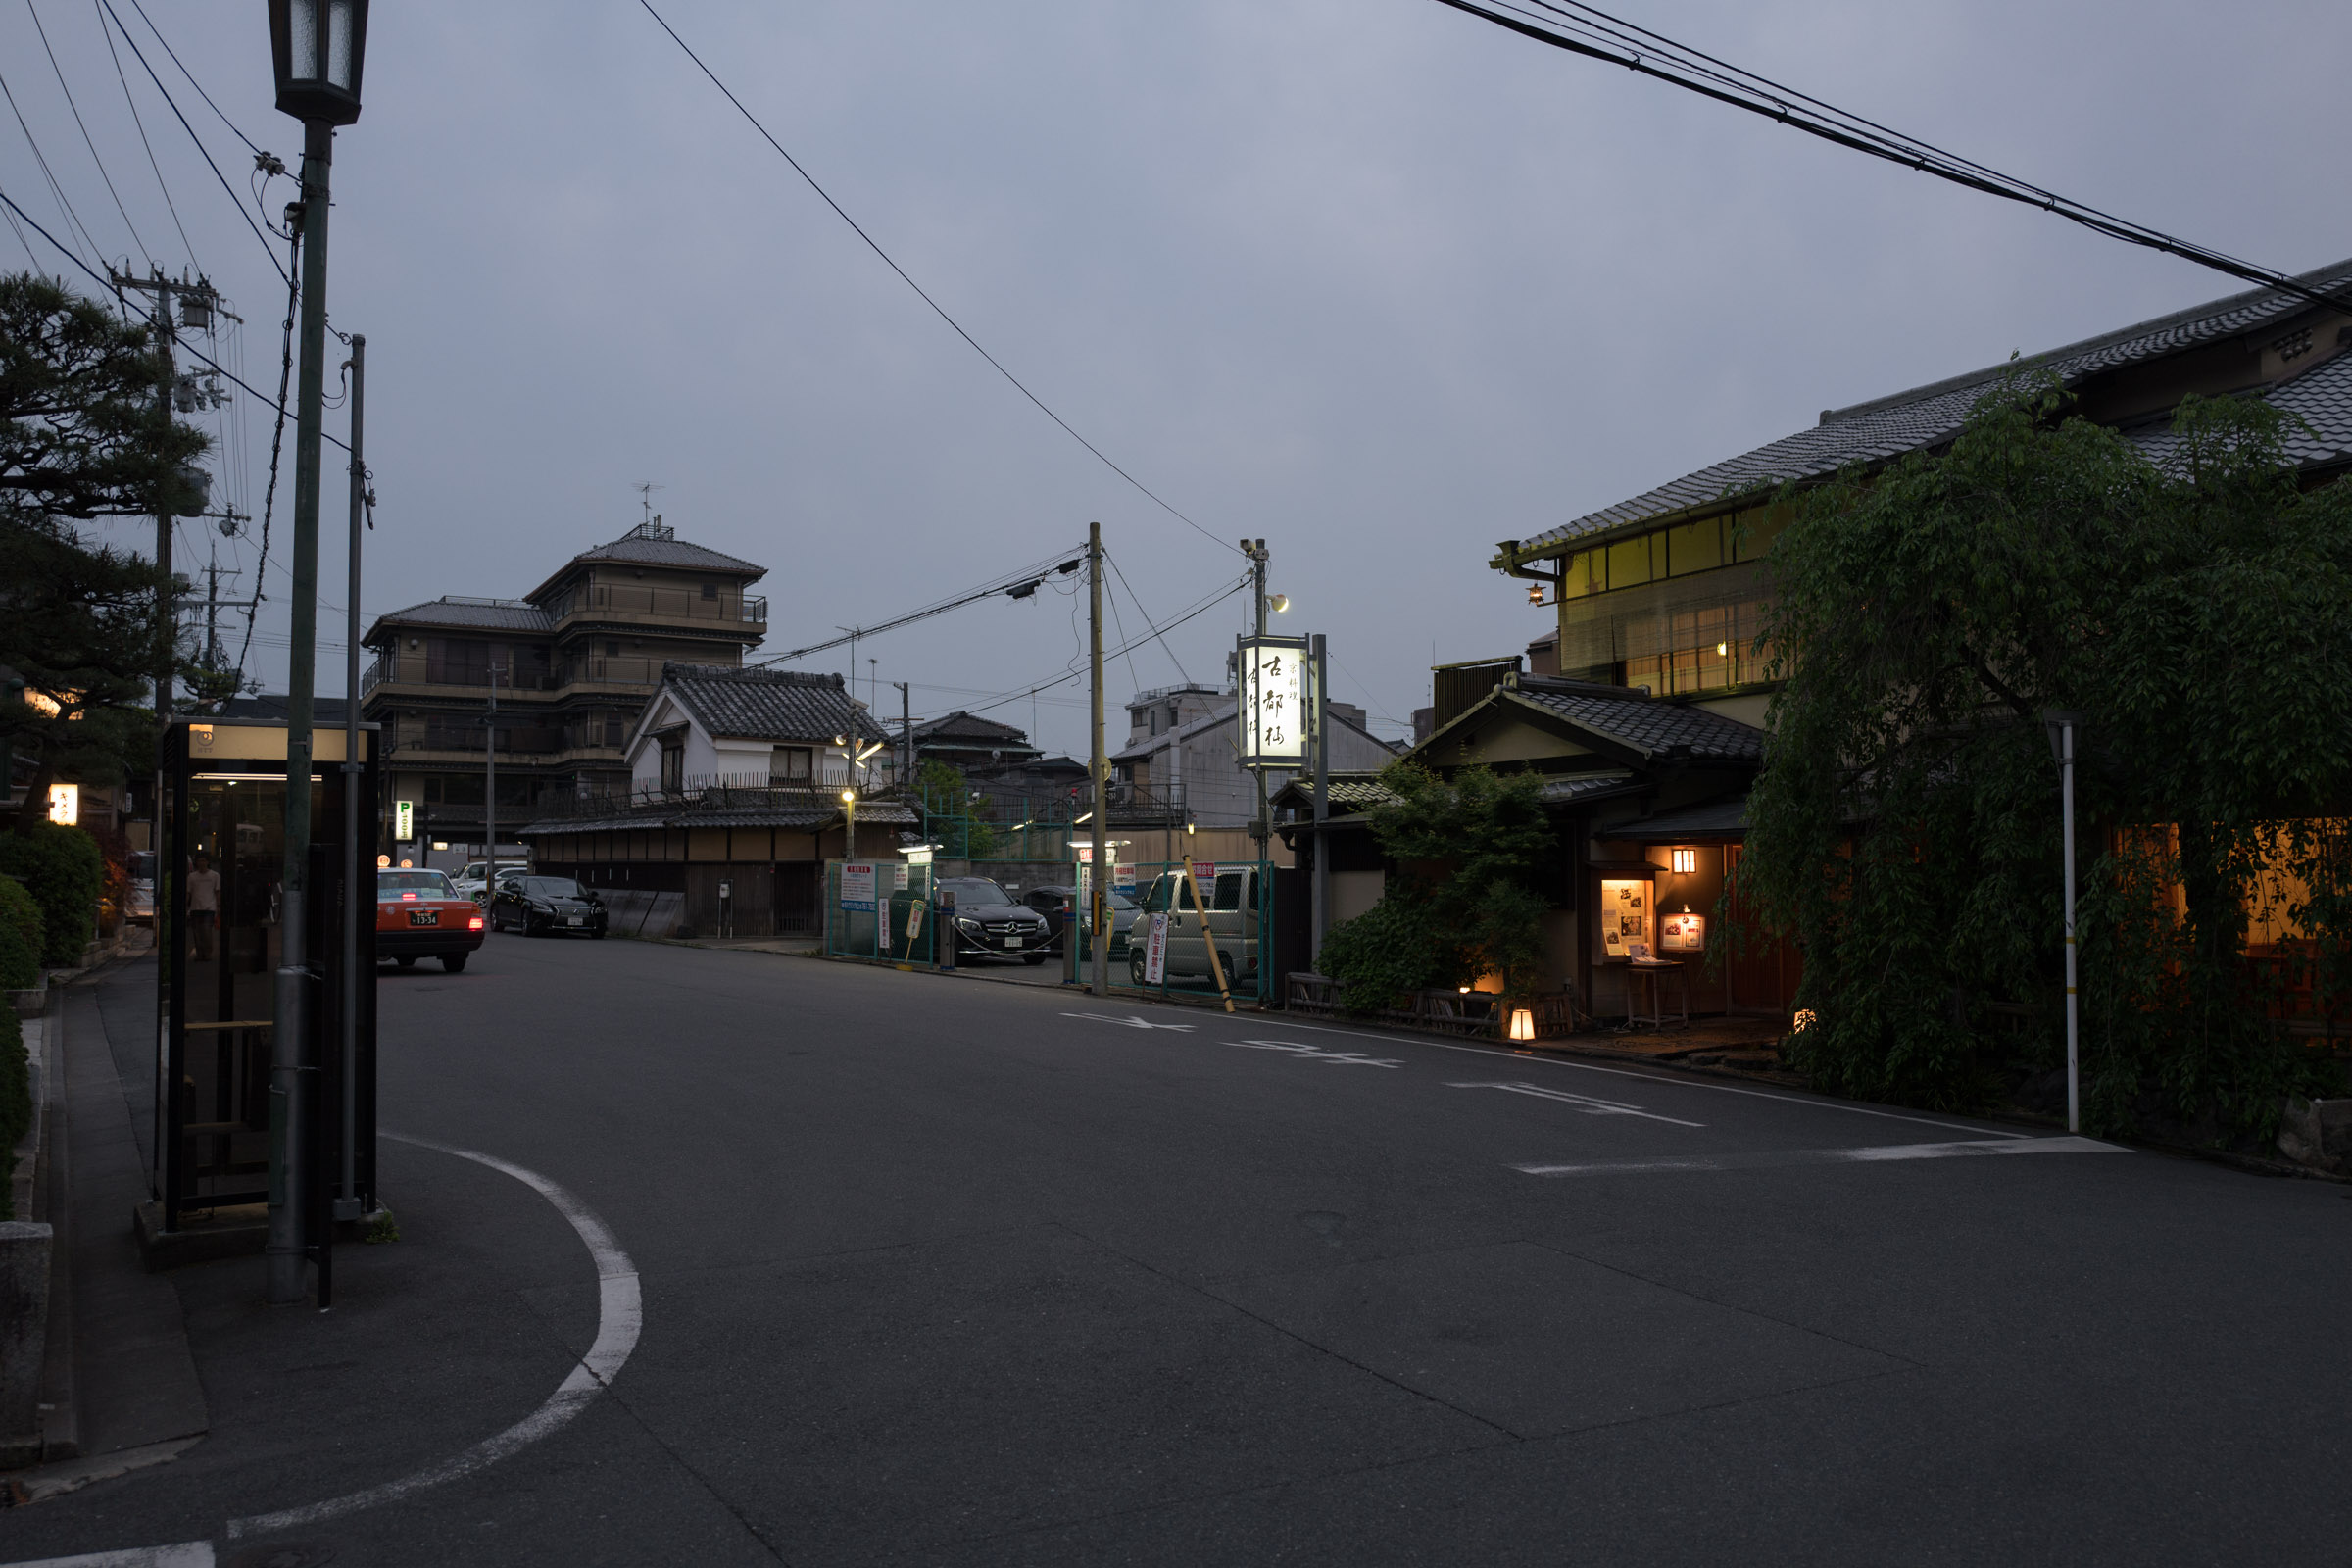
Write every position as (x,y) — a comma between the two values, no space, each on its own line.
(221,943)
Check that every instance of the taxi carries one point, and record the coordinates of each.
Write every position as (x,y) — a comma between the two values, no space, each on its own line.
(419,914)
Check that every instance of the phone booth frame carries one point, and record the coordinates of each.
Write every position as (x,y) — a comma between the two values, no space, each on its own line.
(215,1130)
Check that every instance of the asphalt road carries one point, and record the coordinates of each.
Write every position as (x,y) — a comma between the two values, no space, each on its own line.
(940,1271)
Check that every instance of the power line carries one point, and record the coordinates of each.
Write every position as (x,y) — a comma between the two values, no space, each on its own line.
(936,307)
(72,217)
(1180,672)
(183,71)
(1067,675)
(190,348)
(75,107)
(1028,578)
(140,55)
(1585,29)
(168,204)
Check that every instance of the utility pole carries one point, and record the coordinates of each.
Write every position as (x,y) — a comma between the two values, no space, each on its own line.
(2063,728)
(905,737)
(196,297)
(1256,550)
(347,1198)
(490,796)
(292,1048)
(1098,770)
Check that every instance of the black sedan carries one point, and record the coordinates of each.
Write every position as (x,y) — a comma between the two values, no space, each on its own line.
(990,924)
(536,905)
(1056,903)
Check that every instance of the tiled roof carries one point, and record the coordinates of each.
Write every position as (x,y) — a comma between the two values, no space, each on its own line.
(1646,724)
(1559,791)
(772,705)
(2320,397)
(1716,819)
(1350,792)
(962,726)
(486,614)
(1923,417)
(641,549)
(813,814)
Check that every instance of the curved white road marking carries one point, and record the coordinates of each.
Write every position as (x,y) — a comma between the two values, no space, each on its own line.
(619,1316)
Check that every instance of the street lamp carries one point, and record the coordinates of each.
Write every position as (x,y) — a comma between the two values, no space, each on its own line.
(317,48)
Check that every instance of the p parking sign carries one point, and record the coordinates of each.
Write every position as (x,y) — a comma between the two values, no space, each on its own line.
(404,821)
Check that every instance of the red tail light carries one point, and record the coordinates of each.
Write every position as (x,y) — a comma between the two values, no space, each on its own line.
(475,924)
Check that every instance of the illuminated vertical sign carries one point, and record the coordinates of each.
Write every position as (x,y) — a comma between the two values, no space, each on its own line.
(65,803)
(1273,695)
(404,821)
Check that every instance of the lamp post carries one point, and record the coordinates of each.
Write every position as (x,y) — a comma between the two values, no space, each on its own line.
(318,48)
(2062,726)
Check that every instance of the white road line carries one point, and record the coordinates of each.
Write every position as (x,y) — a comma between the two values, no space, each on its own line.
(1132,1021)
(1874,1154)
(187,1555)
(1334,1058)
(619,1317)
(1584,1103)
(1654,1078)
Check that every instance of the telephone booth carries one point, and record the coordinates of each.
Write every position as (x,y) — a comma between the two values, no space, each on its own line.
(220,944)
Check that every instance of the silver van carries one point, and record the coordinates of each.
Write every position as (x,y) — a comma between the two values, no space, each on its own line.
(1232,899)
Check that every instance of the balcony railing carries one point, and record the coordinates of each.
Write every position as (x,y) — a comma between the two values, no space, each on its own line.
(662,601)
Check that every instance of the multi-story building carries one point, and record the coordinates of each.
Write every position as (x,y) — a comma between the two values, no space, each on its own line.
(573,663)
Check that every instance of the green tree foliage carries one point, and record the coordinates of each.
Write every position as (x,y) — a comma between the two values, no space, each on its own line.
(948,812)
(1464,902)
(86,433)
(20,942)
(64,871)
(2198,611)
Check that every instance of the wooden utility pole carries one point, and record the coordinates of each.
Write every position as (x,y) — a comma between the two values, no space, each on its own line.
(1097,903)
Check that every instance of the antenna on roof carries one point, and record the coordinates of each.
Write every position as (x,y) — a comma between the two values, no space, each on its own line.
(650,528)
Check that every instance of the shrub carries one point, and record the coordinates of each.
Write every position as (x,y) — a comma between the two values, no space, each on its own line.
(65,873)
(20,937)
(16,1102)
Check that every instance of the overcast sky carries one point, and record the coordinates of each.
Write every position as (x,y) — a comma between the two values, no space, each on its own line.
(1370,278)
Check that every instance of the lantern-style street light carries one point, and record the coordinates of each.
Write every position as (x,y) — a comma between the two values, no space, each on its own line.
(318,48)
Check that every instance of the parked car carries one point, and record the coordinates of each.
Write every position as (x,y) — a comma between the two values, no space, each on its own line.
(1057,902)
(536,905)
(991,923)
(1232,901)
(138,898)
(419,914)
(471,880)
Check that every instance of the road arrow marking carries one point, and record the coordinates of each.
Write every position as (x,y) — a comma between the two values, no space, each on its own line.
(1584,1103)
(1132,1021)
(1336,1059)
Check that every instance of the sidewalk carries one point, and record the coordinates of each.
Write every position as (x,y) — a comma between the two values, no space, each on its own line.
(119,1381)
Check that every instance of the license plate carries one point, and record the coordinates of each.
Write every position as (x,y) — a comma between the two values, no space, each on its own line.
(576,920)
(1012,941)
(424,917)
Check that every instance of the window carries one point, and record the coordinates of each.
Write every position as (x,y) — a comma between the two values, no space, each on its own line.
(612,731)
(673,767)
(791,765)
(611,648)
(710,592)
(456,662)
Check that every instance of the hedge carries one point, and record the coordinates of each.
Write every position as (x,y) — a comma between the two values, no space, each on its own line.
(65,873)
(20,937)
